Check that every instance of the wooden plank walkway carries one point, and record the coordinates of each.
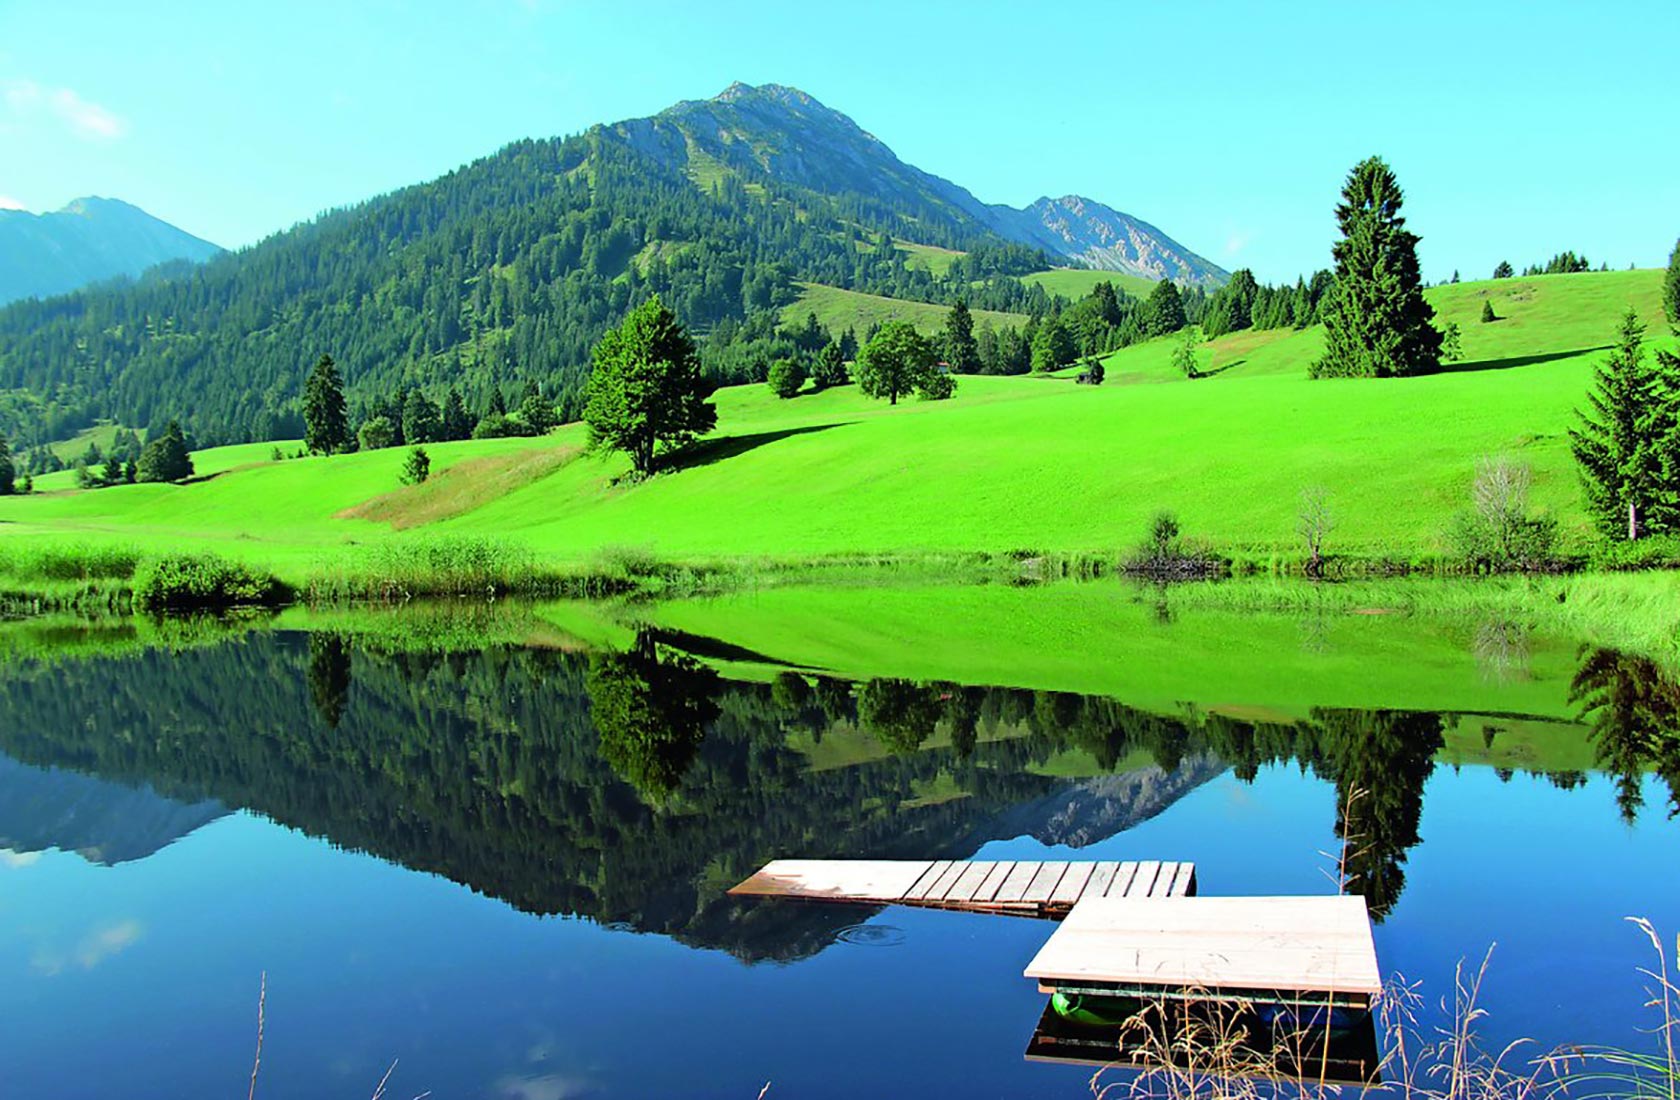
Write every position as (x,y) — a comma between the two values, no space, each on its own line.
(1038,888)
(1292,949)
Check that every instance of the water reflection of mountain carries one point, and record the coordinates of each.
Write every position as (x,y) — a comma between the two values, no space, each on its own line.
(107,823)
(636,787)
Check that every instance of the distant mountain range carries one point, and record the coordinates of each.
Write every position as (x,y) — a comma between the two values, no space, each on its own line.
(781,132)
(89,241)
(508,270)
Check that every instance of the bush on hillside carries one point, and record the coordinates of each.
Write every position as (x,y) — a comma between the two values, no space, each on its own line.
(1167,554)
(1497,534)
(417,467)
(1488,315)
(786,377)
(179,582)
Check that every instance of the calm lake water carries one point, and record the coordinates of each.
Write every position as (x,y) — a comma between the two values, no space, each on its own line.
(503,868)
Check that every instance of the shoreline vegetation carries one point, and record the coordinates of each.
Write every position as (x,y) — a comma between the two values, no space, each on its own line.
(1633,610)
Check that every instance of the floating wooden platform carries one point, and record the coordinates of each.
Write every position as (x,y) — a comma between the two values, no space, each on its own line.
(1036,888)
(1277,950)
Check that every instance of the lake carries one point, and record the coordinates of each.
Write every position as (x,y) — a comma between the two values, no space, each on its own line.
(496,855)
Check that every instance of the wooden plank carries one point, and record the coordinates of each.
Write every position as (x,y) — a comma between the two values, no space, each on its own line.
(1044,883)
(973,875)
(839,880)
(1183,881)
(1072,885)
(1145,881)
(1123,877)
(927,881)
(943,884)
(1101,875)
(1020,877)
(1299,944)
(1164,880)
(994,879)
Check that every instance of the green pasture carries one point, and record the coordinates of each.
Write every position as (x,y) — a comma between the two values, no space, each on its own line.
(1028,463)
(842,309)
(1076,282)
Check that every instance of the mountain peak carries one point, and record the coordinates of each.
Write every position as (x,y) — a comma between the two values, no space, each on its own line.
(784,94)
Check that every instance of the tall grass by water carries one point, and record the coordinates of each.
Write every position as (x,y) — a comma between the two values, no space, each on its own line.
(1203,1050)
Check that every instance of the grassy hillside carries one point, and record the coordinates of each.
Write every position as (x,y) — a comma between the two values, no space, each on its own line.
(1009,463)
(839,309)
(1076,283)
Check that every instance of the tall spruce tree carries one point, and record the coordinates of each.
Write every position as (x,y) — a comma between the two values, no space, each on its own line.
(647,391)
(326,430)
(8,471)
(1376,322)
(456,423)
(1621,442)
(1671,287)
(956,342)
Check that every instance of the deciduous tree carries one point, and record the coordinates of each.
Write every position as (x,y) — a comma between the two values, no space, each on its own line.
(786,377)
(166,458)
(647,392)
(898,360)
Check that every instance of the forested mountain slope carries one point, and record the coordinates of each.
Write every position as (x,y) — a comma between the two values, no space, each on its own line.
(507,270)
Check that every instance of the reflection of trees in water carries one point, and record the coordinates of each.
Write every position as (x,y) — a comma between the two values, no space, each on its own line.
(1633,708)
(329,676)
(1501,651)
(1379,761)
(650,710)
(517,771)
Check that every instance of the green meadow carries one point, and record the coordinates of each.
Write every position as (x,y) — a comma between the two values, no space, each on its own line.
(1029,464)
(839,309)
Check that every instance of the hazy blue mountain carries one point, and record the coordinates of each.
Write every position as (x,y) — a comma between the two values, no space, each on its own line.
(103,822)
(88,241)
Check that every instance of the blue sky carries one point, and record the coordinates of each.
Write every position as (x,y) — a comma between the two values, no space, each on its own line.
(1517,129)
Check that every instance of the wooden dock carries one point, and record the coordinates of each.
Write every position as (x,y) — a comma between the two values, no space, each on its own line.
(1038,888)
(1291,950)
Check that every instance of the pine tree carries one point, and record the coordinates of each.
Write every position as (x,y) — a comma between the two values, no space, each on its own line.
(1619,443)
(830,369)
(1376,321)
(8,470)
(1503,271)
(326,431)
(1671,287)
(647,389)
(456,423)
(417,467)
(165,458)
(1488,315)
(421,422)
(956,342)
